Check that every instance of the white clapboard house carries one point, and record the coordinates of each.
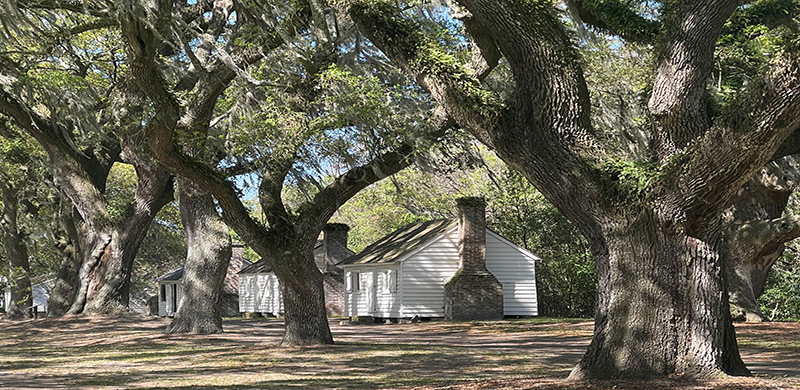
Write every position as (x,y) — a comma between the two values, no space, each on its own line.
(170,286)
(260,290)
(403,275)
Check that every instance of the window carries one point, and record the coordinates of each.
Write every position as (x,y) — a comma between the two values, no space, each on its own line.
(354,281)
(163,293)
(390,281)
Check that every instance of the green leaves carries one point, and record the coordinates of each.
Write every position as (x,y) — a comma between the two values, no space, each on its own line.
(751,38)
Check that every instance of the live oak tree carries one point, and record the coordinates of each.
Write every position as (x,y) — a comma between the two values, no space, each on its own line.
(754,227)
(290,117)
(653,225)
(60,91)
(15,173)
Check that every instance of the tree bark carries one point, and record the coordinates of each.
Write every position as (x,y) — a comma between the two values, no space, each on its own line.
(303,298)
(661,304)
(112,245)
(69,244)
(17,253)
(209,253)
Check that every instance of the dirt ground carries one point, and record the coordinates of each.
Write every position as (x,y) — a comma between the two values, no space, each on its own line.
(127,353)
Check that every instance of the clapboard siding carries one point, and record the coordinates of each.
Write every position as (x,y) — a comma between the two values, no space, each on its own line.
(516,272)
(168,304)
(424,275)
(247,298)
(356,294)
(260,293)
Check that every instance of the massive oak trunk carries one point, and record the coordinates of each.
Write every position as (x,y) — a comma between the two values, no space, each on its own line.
(303,296)
(109,243)
(111,246)
(209,253)
(17,255)
(661,303)
(756,233)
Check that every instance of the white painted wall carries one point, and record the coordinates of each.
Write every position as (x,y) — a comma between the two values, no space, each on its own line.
(260,293)
(424,275)
(516,271)
(168,303)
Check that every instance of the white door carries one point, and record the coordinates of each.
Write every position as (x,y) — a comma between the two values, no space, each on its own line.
(371,286)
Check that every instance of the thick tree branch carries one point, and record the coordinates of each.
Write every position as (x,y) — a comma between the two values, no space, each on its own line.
(316,214)
(763,236)
(69,169)
(485,53)
(741,142)
(685,61)
(160,133)
(454,87)
(270,193)
(547,121)
(617,18)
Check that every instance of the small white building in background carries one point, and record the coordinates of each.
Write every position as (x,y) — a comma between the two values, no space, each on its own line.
(259,290)
(41,293)
(403,274)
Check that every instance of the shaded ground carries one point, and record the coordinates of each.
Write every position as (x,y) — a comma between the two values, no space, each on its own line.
(134,353)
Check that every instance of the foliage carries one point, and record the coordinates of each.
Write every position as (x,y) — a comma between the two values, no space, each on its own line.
(23,169)
(781,298)
(565,278)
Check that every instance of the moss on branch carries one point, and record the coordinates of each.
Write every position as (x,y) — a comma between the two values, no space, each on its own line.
(436,70)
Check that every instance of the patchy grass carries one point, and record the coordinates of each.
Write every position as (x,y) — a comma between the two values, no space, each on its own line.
(784,336)
(133,352)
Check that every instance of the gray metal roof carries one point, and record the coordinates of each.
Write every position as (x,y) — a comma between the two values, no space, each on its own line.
(173,275)
(259,267)
(398,243)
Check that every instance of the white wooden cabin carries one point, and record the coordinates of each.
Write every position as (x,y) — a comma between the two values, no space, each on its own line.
(403,274)
(259,290)
(170,290)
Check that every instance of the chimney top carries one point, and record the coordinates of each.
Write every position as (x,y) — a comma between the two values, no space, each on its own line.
(471,201)
(336,227)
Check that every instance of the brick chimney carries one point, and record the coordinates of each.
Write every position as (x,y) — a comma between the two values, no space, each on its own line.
(473,293)
(334,243)
(472,235)
(236,264)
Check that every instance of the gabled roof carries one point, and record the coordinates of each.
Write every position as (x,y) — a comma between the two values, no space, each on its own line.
(173,275)
(402,241)
(259,267)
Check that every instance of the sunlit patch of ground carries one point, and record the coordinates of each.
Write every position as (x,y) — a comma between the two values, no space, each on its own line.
(133,352)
